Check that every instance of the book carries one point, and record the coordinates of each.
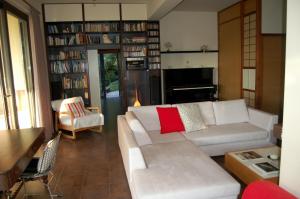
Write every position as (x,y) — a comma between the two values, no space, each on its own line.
(248,155)
(266,168)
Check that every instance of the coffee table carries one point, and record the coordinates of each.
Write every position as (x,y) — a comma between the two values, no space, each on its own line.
(246,169)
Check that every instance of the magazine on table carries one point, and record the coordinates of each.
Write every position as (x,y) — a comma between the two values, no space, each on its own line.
(248,155)
(266,168)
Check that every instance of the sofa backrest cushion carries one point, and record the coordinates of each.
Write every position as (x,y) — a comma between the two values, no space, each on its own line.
(232,111)
(207,112)
(148,116)
(140,134)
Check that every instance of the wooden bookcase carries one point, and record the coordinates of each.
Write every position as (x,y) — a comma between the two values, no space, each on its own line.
(153,45)
(67,59)
(68,42)
(141,42)
(102,34)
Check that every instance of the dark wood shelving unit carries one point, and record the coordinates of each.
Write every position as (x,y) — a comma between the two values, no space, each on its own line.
(68,42)
(67,60)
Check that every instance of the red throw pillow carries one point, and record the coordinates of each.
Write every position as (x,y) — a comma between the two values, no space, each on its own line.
(170,120)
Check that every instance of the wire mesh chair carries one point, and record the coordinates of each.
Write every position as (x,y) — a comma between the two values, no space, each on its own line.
(40,169)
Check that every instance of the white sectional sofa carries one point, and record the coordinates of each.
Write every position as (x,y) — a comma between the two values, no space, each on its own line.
(177,165)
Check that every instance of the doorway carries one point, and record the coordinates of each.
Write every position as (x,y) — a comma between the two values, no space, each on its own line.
(17,108)
(110,87)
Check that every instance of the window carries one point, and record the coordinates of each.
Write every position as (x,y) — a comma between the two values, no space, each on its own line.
(17,108)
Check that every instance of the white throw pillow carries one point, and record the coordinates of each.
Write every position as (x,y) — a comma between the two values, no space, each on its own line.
(232,111)
(140,134)
(191,117)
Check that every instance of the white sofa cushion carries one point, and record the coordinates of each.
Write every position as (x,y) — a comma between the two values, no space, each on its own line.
(148,116)
(232,111)
(180,170)
(227,133)
(140,134)
(88,120)
(191,117)
(207,112)
(157,137)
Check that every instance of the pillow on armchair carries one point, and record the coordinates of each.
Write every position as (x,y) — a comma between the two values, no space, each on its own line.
(76,108)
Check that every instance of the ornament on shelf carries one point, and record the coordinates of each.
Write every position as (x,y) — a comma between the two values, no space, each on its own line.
(168,45)
(204,48)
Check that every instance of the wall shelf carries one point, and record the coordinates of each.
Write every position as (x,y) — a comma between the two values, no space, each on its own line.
(189,51)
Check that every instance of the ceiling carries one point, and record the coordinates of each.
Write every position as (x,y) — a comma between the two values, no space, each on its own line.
(204,5)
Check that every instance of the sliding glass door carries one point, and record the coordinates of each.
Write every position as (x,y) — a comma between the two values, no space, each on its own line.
(17,101)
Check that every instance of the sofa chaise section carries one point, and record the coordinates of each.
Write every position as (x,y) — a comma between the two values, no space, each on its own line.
(171,169)
(180,170)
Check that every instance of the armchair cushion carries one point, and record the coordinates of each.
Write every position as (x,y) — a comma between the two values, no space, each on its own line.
(59,105)
(88,120)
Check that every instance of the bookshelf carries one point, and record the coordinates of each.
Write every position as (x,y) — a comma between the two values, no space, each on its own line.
(67,57)
(68,42)
(153,45)
(102,34)
(134,39)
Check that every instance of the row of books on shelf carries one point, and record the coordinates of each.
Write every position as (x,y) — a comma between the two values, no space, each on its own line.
(135,48)
(102,27)
(132,40)
(134,27)
(153,52)
(103,39)
(153,26)
(154,66)
(65,28)
(153,33)
(59,67)
(66,40)
(153,40)
(76,83)
(153,46)
(154,59)
(134,54)
(64,55)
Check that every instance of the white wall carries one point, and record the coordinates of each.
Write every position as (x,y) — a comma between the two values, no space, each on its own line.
(94,77)
(189,31)
(290,158)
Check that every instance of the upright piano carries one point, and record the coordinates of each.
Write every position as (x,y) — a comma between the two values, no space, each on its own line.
(189,85)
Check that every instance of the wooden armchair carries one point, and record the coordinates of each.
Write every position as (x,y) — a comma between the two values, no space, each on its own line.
(65,120)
